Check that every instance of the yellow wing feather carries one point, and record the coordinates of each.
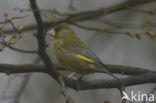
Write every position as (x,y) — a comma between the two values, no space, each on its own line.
(84,58)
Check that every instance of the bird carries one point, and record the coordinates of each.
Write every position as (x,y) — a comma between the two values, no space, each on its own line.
(73,54)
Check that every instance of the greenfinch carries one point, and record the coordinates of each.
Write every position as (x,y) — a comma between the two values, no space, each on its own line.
(73,54)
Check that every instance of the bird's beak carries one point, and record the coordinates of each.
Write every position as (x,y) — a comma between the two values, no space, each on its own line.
(52,32)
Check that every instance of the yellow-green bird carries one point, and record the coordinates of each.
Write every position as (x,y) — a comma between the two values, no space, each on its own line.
(73,54)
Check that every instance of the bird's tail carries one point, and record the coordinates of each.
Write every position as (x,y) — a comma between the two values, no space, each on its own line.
(120,85)
(106,70)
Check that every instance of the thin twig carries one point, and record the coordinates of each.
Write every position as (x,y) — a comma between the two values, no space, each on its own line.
(19,50)
(71,7)
(87,15)
(17,31)
(13,18)
(109,30)
(150,12)
(13,26)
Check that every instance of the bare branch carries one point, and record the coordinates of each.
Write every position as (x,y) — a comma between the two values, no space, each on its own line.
(13,18)
(19,50)
(27,68)
(87,15)
(109,30)
(145,76)
(41,42)
(71,7)
(13,37)
(150,12)
(128,70)
(126,81)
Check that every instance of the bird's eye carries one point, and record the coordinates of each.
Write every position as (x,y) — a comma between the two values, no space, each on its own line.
(57,29)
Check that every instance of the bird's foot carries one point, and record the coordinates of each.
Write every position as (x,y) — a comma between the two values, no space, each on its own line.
(71,76)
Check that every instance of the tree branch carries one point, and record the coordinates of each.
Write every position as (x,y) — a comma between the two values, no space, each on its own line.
(42,44)
(18,50)
(126,81)
(128,70)
(27,68)
(115,31)
(87,15)
(150,12)
(141,76)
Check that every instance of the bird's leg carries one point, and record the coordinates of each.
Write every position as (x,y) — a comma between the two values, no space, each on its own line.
(71,76)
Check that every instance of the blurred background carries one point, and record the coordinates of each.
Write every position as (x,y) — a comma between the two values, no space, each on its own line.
(110,48)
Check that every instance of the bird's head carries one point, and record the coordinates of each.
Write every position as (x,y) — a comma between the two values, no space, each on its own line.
(60,31)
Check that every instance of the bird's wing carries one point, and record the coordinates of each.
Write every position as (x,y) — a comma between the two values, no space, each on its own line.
(84,53)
